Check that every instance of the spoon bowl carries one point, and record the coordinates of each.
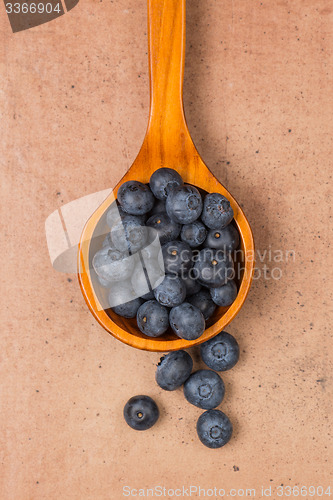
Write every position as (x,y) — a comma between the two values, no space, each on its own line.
(167,143)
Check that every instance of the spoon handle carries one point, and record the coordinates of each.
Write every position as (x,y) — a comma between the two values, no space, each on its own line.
(166,44)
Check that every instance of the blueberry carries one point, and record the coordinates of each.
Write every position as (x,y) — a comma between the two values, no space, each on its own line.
(114,214)
(213,268)
(226,239)
(193,234)
(121,292)
(221,352)
(152,318)
(184,204)
(171,291)
(135,198)
(187,321)
(158,208)
(163,181)
(192,285)
(224,295)
(203,301)
(129,309)
(166,229)
(123,300)
(217,211)
(107,242)
(142,282)
(177,257)
(214,428)
(141,412)
(204,389)
(173,370)
(105,283)
(129,234)
(112,265)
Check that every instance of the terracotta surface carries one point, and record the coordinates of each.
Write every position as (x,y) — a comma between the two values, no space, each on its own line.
(74,105)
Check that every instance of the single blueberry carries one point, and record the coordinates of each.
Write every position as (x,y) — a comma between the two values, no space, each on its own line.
(141,412)
(166,229)
(135,198)
(114,214)
(121,292)
(171,292)
(187,321)
(123,300)
(191,284)
(217,211)
(224,295)
(214,428)
(177,257)
(143,283)
(129,234)
(204,389)
(203,301)
(173,370)
(213,268)
(112,265)
(163,181)
(129,309)
(107,242)
(104,283)
(193,234)
(221,352)
(152,318)
(226,239)
(184,204)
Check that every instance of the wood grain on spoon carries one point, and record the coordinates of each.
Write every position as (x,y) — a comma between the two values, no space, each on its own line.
(167,144)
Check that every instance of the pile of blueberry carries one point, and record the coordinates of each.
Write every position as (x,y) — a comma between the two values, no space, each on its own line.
(203,388)
(167,258)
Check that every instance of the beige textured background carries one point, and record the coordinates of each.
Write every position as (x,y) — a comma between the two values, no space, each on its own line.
(74,104)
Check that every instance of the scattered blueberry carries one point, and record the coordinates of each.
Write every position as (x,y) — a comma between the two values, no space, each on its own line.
(112,265)
(152,318)
(221,352)
(129,234)
(184,204)
(226,239)
(135,198)
(141,412)
(224,295)
(192,285)
(177,257)
(163,181)
(187,321)
(203,301)
(213,267)
(166,229)
(171,292)
(204,389)
(193,234)
(217,211)
(173,370)
(214,428)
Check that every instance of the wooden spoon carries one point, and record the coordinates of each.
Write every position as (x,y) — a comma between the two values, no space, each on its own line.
(167,144)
